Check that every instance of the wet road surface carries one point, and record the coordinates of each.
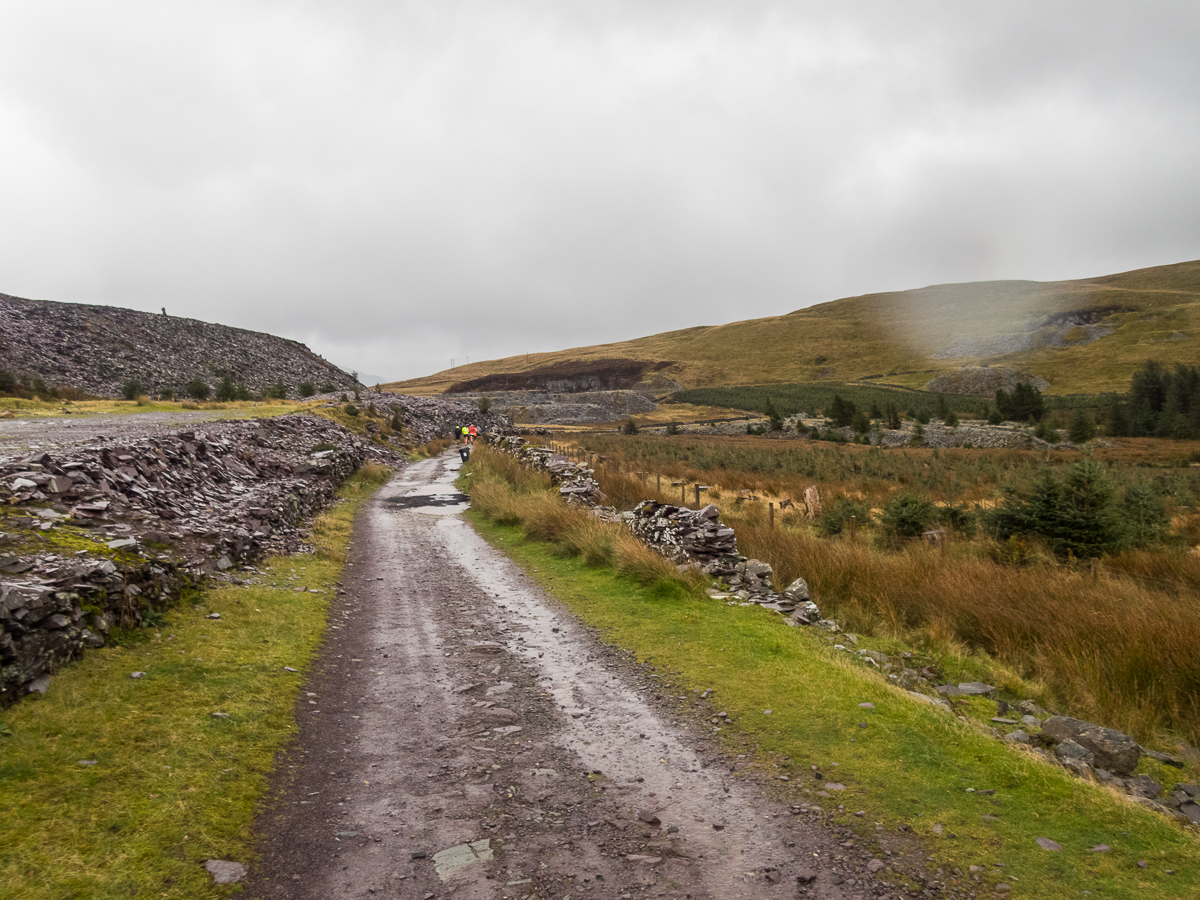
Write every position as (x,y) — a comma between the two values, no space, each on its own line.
(463,736)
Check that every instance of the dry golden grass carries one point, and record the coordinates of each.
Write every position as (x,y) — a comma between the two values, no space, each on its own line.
(1119,650)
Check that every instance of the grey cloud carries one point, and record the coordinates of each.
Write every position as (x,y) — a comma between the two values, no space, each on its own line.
(399,184)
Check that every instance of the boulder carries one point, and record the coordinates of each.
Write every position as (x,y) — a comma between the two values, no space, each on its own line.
(1112,750)
(797,591)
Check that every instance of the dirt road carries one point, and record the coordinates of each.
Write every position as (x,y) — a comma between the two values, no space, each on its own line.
(463,736)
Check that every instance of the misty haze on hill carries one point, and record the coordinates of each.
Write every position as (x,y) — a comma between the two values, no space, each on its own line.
(403,185)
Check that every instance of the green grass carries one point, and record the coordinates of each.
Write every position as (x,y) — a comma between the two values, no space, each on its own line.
(172,785)
(913,766)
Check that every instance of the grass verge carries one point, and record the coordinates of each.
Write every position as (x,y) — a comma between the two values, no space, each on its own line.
(911,766)
(113,787)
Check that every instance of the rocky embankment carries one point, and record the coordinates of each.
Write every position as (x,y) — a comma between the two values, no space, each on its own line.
(424,419)
(107,534)
(99,349)
(544,408)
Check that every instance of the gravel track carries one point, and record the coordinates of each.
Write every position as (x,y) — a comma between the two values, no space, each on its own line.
(462,735)
(19,437)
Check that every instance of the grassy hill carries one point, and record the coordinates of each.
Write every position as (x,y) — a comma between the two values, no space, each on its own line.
(1080,336)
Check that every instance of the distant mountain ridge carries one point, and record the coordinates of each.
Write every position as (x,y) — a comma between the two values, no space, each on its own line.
(1082,336)
(98,349)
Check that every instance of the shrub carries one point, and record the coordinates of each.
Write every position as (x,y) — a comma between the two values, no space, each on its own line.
(397,421)
(907,515)
(226,390)
(1076,516)
(836,517)
(960,519)
(630,426)
(326,388)
(773,417)
(1082,428)
(1046,431)
(841,411)
(892,415)
(951,419)
(197,389)
(307,389)
(859,422)
(131,389)
(1145,516)
(350,409)
(995,417)
(142,400)
(672,428)
(278,390)
(484,404)
(8,383)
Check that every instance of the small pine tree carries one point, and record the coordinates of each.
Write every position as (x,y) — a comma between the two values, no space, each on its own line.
(226,390)
(131,389)
(951,419)
(892,415)
(307,389)
(630,426)
(1082,428)
(773,416)
(941,408)
(841,411)
(484,404)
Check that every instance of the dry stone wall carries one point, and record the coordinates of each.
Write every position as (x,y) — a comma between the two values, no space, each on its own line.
(690,538)
(104,535)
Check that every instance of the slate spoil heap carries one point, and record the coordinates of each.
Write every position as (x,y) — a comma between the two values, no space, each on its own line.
(427,418)
(152,518)
(98,349)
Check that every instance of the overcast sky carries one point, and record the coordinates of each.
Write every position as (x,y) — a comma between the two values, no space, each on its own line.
(402,184)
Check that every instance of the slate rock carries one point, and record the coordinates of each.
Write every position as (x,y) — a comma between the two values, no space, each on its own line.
(1112,750)
(224,871)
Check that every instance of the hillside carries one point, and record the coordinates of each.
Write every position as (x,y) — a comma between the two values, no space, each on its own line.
(1080,336)
(97,349)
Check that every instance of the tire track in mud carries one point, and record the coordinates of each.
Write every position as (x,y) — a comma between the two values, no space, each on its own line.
(462,735)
